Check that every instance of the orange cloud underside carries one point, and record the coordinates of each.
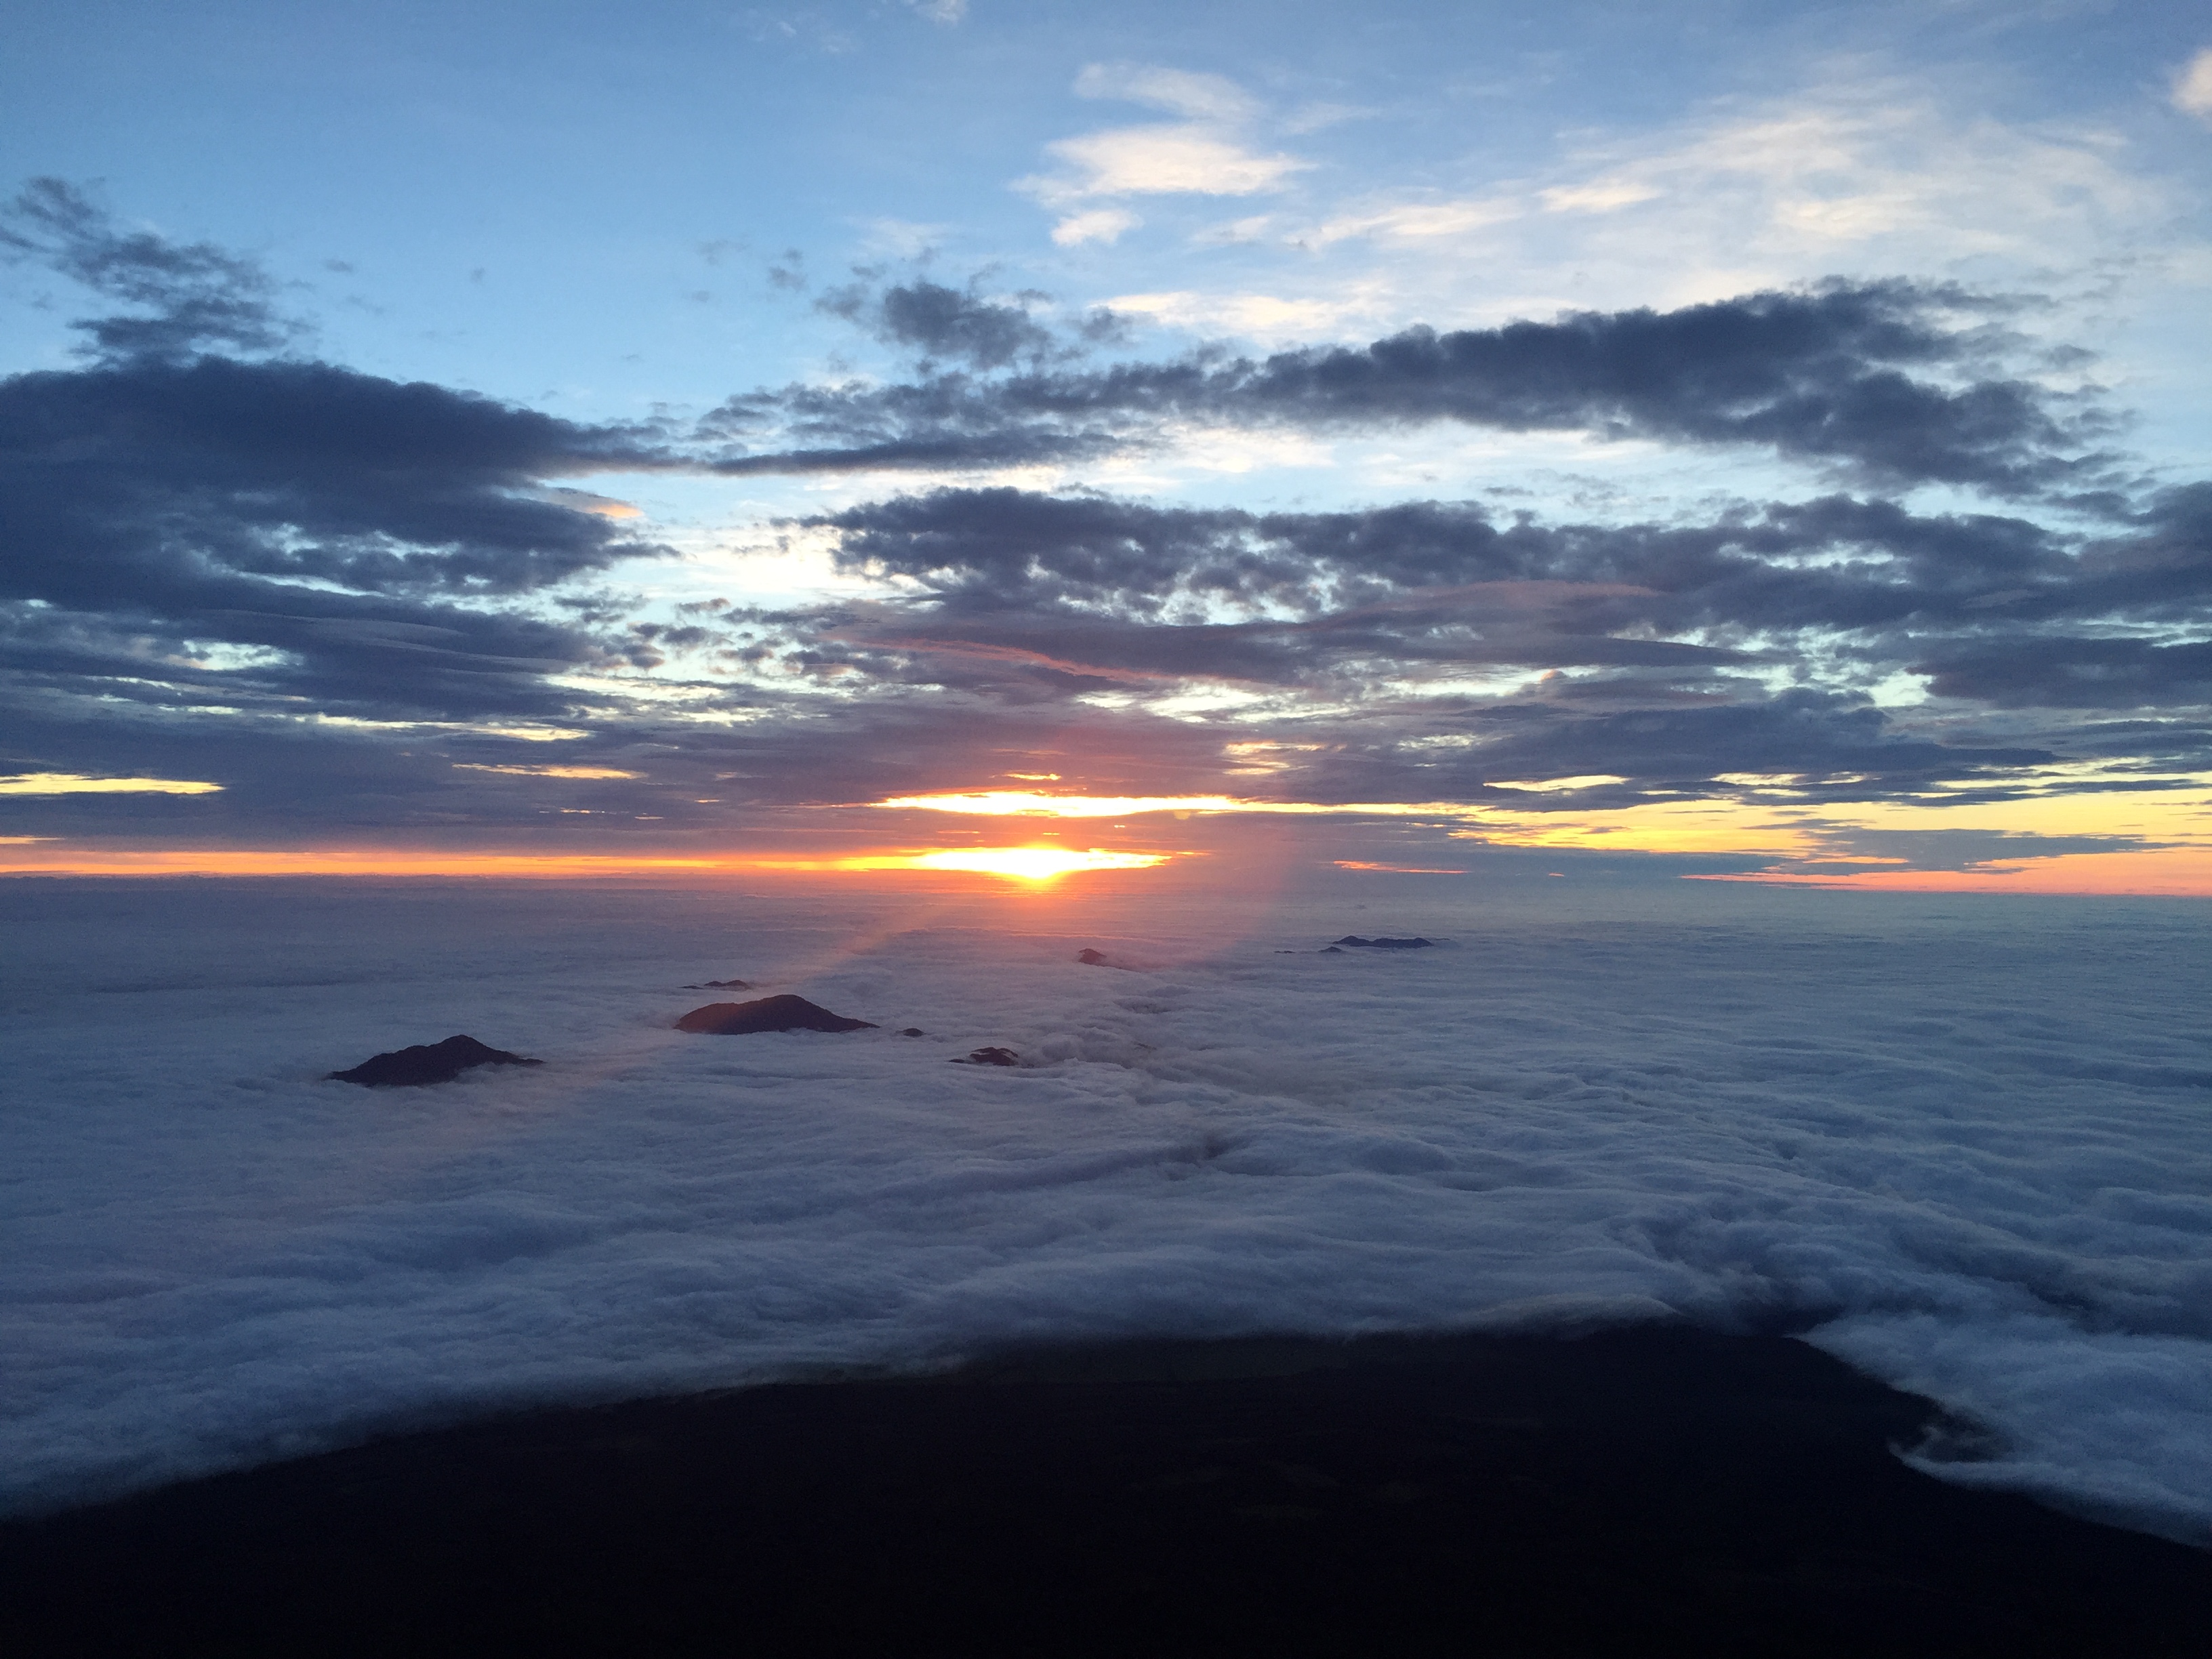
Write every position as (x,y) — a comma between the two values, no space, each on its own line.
(1394,869)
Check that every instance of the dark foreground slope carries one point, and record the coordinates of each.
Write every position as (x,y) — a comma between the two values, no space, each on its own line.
(1635,1492)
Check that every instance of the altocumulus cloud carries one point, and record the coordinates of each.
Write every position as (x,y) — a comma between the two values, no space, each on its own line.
(1016,589)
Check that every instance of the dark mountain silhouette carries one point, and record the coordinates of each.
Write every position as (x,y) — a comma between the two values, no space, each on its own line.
(428,1062)
(779,1013)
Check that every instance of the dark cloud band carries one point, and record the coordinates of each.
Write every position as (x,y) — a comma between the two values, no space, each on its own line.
(1901,382)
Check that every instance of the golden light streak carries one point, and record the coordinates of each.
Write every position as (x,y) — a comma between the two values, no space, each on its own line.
(1691,826)
(588,500)
(547,771)
(70,783)
(2182,814)
(2174,873)
(346,861)
(1261,758)
(1562,786)
(1015,802)
(1393,869)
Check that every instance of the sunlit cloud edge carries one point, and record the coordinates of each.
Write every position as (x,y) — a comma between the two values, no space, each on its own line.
(74,783)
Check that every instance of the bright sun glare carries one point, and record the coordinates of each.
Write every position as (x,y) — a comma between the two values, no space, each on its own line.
(1031,863)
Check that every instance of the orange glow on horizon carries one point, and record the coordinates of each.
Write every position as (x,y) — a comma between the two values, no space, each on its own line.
(2138,842)
(1036,865)
(2179,872)
(2170,872)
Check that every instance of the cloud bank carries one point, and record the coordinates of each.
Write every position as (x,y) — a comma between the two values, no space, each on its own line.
(1962,1144)
(1892,382)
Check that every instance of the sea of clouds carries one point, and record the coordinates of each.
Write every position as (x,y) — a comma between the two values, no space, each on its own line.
(1964,1142)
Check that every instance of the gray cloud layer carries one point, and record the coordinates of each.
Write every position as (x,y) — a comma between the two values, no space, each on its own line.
(1897,381)
(1033,594)
(358,525)
(364,541)
(206,555)
(963,325)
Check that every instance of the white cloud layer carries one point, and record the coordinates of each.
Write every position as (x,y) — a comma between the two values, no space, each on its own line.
(1159,161)
(2193,88)
(1254,316)
(1966,1136)
(1196,97)
(1097,225)
(1204,153)
(1854,177)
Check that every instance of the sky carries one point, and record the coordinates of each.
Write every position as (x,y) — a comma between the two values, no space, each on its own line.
(1734,441)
